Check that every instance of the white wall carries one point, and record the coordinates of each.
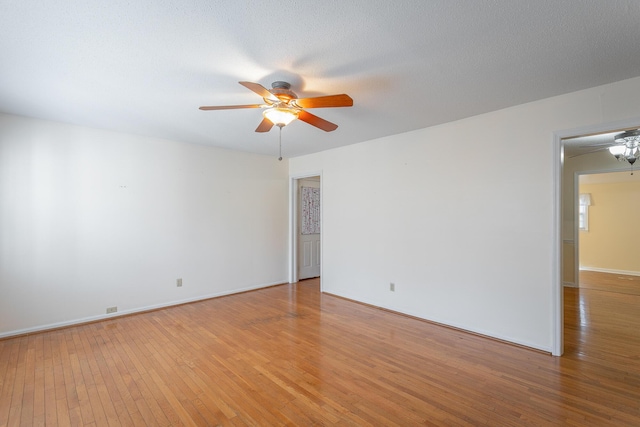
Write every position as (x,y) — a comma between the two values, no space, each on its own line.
(91,219)
(459,216)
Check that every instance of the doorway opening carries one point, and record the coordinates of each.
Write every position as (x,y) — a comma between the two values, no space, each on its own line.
(305,227)
(576,152)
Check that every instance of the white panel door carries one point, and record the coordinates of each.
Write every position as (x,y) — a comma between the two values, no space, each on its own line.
(308,223)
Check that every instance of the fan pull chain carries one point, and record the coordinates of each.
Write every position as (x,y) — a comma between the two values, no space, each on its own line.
(280,143)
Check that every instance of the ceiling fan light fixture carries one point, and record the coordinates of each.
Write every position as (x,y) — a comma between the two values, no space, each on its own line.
(280,116)
(617,150)
(282,106)
(628,148)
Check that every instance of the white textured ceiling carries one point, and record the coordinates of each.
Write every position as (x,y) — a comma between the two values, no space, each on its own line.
(145,66)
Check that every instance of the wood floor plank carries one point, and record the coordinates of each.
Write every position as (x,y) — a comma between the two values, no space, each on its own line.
(290,355)
(50,406)
(8,368)
(28,396)
(17,397)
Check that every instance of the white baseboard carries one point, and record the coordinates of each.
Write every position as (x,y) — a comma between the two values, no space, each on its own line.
(42,328)
(464,328)
(569,285)
(607,270)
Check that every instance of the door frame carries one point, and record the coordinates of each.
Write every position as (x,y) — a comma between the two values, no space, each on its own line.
(557,294)
(293,224)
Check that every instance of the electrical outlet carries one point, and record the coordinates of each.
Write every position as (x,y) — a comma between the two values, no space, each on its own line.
(392,287)
(111,310)
(179,283)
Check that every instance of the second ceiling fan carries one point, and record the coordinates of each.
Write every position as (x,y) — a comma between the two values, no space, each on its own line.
(282,106)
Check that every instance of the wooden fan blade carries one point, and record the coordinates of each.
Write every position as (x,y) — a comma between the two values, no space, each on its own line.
(230,107)
(341,100)
(264,126)
(602,144)
(317,121)
(595,149)
(259,89)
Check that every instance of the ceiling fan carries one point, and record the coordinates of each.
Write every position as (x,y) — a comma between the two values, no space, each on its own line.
(282,106)
(623,146)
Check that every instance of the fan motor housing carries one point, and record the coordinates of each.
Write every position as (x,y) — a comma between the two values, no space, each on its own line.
(283,91)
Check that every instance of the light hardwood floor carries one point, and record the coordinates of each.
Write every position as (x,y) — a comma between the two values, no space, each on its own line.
(620,283)
(289,355)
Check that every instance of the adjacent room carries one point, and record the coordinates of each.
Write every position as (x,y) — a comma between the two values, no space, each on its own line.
(319,213)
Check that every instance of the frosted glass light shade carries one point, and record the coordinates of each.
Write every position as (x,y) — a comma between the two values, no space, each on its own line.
(617,150)
(280,116)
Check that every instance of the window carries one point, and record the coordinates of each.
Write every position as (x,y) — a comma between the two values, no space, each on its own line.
(583,211)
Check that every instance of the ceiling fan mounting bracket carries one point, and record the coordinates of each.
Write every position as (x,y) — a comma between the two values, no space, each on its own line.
(281,85)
